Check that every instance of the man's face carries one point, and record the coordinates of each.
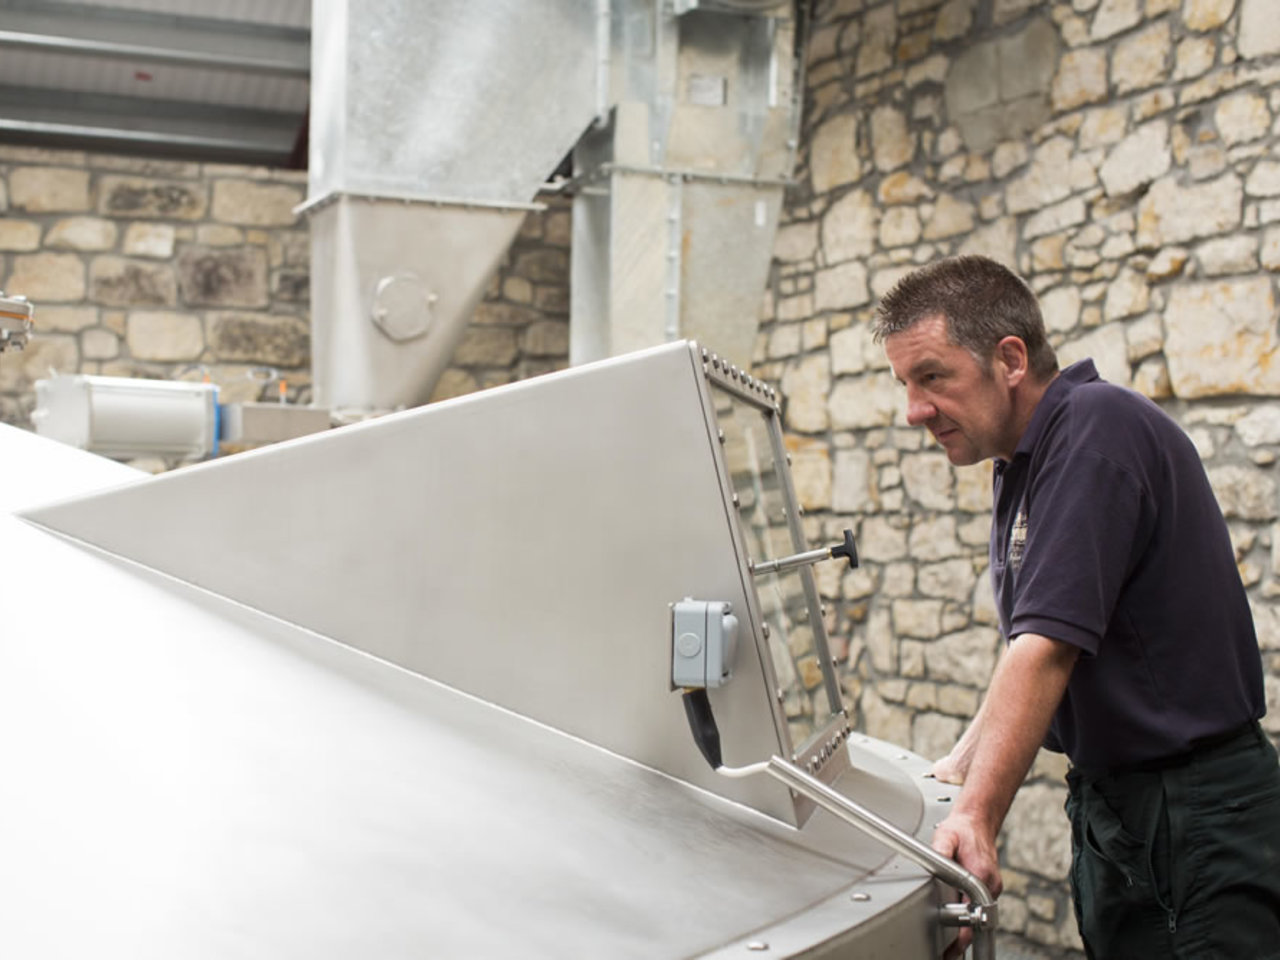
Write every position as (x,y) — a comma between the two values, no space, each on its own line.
(967,408)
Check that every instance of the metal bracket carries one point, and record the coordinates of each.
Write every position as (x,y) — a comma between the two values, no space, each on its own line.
(15,321)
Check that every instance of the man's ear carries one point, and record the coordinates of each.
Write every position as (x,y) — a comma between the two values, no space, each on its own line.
(1012,354)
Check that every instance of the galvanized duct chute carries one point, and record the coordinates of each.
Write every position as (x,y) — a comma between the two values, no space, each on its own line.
(679,194)
(423,167)
(432,127)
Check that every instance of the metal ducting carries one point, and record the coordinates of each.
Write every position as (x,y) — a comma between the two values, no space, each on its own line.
(434,125)
(680,193)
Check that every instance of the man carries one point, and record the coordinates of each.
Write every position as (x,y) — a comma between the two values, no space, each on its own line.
(1130,644)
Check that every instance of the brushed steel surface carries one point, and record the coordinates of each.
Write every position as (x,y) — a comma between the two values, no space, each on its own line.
(521,544)
(187,777)
(39,471)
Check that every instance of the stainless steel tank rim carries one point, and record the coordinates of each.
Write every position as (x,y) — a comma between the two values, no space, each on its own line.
(313,204)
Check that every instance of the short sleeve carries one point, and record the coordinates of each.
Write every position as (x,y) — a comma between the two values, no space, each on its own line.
(1085,523)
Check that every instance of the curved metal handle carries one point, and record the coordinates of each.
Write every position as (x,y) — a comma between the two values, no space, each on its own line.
(980,912)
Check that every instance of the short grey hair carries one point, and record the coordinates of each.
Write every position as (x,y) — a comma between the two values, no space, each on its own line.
(982,303)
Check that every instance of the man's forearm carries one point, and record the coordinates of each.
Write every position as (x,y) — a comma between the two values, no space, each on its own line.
(1025,691)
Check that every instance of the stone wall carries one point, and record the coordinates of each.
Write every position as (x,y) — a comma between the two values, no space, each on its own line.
(1119,155)
(171,270)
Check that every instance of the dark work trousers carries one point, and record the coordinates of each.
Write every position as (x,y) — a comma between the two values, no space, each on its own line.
(1180,860)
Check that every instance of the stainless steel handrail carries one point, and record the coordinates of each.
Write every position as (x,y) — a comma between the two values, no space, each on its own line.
(980,912)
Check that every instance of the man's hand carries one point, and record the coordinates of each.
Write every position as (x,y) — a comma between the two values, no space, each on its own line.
(949,769)
(959,839)
(963,841)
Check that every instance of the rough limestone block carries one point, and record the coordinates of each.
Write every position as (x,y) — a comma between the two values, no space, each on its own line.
(49,189)
(82,233)
(19,236)
(1057,170)
(260,338)
(148,198)
(1115,16)
(1127,296)
(929,480)
(543,266)
(253,204)
(851,482)
(1259,34)
(849,227)
(968,656)
(1220,339)
(902,187)
(1201,15)
(1271,250)
(66,319)
(934,539)
(47,277)
(998,241)
(1139,159)
(1172,213)
(841,288)
(796,242)
(546,338)
(487,347)
(870,400)
(1244,492)
(933,735)
(1107,348)
(1238,254)
(1141,61)
(950,218)
(1055,218)
(854,350)
(805,386)
(1259,426)
(950,579)
(811,475)
(164,337)
(1081,79)
(1037,835)
(892,143)
(1242,118)
(833,154)
(99,345)
(122,282)
(222,276)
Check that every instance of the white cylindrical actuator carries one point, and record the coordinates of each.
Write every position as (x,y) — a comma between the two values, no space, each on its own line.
(124,417)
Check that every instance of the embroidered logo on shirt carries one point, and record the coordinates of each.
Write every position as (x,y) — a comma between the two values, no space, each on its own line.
(1018,538)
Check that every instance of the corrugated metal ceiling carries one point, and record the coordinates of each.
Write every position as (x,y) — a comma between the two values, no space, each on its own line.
(210,79)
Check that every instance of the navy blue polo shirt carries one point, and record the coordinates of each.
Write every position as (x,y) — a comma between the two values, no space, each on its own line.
(1106,535)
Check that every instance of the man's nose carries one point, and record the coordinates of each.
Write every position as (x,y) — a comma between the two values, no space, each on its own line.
(919,411)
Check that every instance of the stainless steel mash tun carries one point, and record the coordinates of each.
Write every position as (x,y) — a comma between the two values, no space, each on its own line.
(301,707)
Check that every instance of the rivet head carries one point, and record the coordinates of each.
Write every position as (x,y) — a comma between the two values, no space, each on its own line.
(860,897)
(758,946)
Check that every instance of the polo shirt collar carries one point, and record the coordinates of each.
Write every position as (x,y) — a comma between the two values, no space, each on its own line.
(1082,371)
